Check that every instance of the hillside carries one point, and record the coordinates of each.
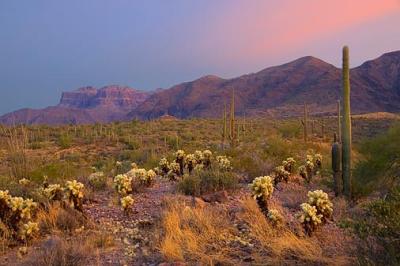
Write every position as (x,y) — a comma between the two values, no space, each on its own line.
(275,91)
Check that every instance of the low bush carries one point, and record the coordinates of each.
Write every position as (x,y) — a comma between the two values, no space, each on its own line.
(204,181)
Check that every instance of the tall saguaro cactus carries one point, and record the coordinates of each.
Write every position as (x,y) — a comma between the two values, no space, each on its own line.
(346,125)
(305,123)
(224,128)
(339,121)
(232,135)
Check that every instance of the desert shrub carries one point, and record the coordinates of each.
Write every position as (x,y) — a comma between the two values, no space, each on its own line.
(289,129)
(97,181)
(204,181)
(59,252)
(379,167)
(379,229)
(64,141)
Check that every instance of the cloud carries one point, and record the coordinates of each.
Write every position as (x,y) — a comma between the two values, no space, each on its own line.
(258,28)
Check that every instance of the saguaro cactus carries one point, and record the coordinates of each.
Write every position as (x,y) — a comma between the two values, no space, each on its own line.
(339,118)
(346,125)
(305,123)
(336,166)
(232,134)
(224,129)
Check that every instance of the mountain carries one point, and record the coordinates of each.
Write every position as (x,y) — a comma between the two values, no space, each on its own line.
(83,106)
(282,91)
(275,91)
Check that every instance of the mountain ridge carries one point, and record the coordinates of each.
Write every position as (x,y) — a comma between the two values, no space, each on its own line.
(278,91)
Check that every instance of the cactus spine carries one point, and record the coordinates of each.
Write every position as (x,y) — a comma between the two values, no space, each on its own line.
(232,135)
(336,166)
(346,125)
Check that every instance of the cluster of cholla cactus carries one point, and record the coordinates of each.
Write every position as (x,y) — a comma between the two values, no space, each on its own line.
(53,192)
(281,175)
(312,166)
(123,183)
(199,160)
(289,164)
(16,213)
(127,203)
(262,188)
(316,211)
(283,172)
(75,192)
(224,163)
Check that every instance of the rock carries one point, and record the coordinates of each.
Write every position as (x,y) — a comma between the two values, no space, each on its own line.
(177,263)
(219,196)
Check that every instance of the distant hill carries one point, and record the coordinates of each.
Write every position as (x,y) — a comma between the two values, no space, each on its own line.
(83,106)
(274,91)
(282,90)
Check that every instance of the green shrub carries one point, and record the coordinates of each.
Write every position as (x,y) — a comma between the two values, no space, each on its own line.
(380,166)
(64,141)
(381,226)
(201,182)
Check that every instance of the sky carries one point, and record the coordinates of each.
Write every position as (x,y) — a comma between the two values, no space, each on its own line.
(48,46)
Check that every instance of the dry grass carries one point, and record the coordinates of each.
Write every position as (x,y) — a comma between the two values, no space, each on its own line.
(61,220)
(195,234)
(207,236)
(60,252)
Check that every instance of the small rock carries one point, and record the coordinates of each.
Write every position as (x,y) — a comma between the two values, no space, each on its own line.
(219,196)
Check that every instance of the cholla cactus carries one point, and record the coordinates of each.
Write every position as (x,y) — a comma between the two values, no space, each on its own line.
(180,159)
(199,167)
(321,202)
(5,199)
(224,163)
(288,164)
(190,162)
(24,182)
(318,161)
(28,230)
(150,176)
(126,203)
(123,184)
(309,218)
(174,170)
(53,192)
(134,166)
(180,154)
(307,171)
(281,175)
(164,165)
(75,194)
(199,156)
(207,156)
(274,217)
(262,189)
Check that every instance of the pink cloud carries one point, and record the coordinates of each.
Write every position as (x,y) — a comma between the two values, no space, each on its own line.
(261,28)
